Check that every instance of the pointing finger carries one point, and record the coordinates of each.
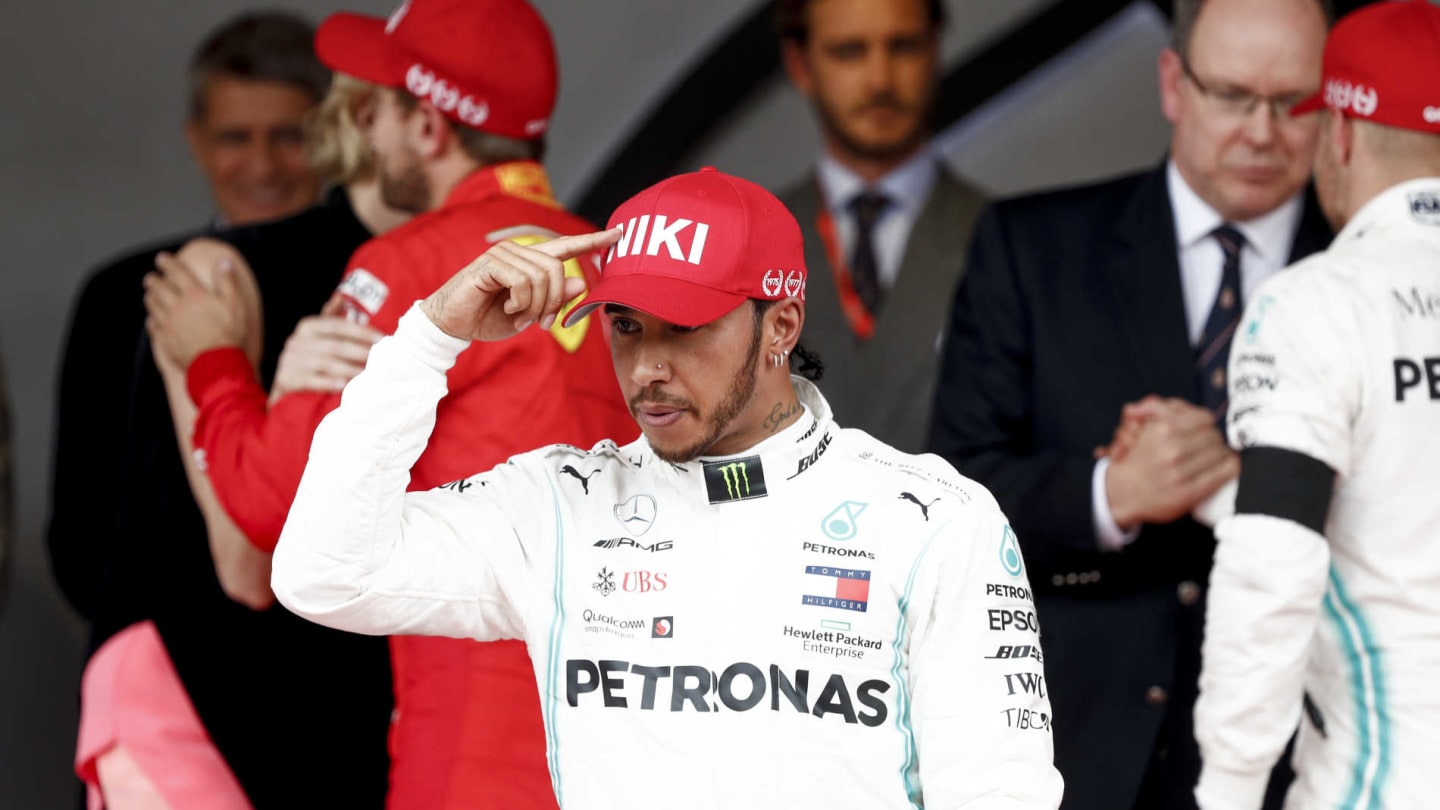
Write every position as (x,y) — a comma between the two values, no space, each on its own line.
(568,247)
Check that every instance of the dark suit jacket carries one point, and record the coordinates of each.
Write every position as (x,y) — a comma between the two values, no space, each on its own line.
(300,712)
(92,409)
(1072,307)
(885,386)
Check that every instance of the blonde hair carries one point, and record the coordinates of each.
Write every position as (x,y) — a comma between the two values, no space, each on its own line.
(337,150)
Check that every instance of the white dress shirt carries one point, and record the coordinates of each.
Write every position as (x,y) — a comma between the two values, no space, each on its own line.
(1268,239)
(907,186)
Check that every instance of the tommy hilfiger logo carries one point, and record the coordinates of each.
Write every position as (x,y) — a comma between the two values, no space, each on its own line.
(852,588)
(737,479)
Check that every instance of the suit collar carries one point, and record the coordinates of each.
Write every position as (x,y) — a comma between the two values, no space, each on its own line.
(907,185)
(1314,234)
(1271,235)
(1145,277)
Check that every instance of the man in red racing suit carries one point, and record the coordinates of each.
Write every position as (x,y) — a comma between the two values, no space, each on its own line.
(468,730)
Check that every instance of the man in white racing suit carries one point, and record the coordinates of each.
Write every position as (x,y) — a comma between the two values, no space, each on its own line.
(747,607)
(1326,589)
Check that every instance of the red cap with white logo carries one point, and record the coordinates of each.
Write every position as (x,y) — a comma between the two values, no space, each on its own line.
(486,64)
(696,246)
(1382,64)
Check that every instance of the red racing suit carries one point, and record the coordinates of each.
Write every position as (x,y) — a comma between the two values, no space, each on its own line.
(468,729)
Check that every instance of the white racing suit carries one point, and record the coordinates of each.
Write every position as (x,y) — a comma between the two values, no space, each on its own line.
(1327,578)
(821,622)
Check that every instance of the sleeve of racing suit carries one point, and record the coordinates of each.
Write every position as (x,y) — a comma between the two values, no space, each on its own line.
(1293,394)
(979,705)
(357,553)
(253,456)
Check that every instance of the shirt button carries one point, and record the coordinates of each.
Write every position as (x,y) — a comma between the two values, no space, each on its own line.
(1188,593)
(1156,696)
(1218,378)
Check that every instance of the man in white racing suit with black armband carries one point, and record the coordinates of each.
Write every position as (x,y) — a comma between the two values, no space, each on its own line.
(747,607)
(1325,597)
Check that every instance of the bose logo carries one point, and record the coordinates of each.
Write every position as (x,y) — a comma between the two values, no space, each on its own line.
(662,231)
(1432,115)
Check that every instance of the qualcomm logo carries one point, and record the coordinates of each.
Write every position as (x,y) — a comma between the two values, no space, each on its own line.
(637,514)
(840,523)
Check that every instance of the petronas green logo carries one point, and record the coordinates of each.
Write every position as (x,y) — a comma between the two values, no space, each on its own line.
(1010,553)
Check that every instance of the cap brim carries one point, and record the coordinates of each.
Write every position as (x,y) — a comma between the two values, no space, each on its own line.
(669,299)
(356,45)
(1309,104)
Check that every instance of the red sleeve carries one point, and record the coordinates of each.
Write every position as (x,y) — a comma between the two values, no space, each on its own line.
(253,457)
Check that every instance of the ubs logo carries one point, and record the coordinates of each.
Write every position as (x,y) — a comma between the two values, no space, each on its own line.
(605,582)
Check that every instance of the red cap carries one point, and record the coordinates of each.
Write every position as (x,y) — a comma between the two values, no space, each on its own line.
(485,64)
(1382,64)
(696,246)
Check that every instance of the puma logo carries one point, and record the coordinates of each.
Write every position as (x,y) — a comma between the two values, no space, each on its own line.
(583,479)
(924,507)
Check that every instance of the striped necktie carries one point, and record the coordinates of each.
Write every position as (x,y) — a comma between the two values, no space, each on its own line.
(1212,353)
(864,271)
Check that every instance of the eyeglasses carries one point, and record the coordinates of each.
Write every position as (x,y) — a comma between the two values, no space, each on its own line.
(1241,103)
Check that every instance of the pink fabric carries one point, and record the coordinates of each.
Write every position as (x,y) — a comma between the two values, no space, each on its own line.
(133,704)
(126,786)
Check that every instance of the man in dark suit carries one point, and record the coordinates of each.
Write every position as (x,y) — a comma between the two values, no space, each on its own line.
(885,223)
(252,81)
(1113,304)
(127,542)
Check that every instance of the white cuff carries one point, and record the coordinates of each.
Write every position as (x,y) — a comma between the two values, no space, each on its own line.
(1219,506)
(428,342)
(1221,789)
(1108,534)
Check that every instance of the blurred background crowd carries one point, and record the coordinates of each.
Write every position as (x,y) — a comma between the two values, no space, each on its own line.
(120,135)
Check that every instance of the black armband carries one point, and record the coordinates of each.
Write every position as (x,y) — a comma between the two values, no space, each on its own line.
(1285,484)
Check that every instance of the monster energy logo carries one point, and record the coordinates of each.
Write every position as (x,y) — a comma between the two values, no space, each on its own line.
(737,479)
(737,483)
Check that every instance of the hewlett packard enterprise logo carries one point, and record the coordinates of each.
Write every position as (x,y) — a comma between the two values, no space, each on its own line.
(738,479)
